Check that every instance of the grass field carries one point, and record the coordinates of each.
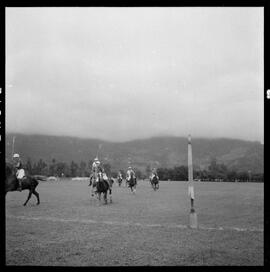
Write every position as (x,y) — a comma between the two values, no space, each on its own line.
(69,228)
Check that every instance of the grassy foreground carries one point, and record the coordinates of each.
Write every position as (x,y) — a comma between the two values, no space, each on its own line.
(69,228)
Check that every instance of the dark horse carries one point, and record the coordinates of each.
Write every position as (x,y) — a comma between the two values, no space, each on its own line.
(28,183)
(154,182)
(132,183)
(103,186)
(119,179)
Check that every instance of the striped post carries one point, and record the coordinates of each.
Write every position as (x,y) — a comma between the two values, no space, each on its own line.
(192,216)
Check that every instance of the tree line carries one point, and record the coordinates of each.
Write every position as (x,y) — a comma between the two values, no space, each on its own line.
(58,169)
(72,169)
(214,172)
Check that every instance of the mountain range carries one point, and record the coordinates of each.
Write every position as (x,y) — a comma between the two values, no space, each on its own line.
(156,151)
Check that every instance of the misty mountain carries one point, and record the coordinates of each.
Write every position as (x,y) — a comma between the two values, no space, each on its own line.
(156,151)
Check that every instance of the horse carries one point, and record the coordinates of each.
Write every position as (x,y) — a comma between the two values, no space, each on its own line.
(119,179)
(154,182)
(103,186)
(132,182)
(28,183)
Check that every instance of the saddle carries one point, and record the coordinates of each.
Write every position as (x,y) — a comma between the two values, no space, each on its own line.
(22,179)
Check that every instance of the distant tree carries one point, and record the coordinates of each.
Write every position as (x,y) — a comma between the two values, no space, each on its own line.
(180,173)
(163,173)
(138,173)
(62,168)
(148,170)
(82,169)
(90,162)
(213,168)
(217,171)
(231,175)
(52,168)
(40,168)
(74,169)
(28,166)
(257,177)
(243,176)
(107,168)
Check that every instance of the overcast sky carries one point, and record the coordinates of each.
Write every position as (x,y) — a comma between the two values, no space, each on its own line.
(125,73)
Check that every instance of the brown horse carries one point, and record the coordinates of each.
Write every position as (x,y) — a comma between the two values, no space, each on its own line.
(28,183)
(154,182)
(104,186)
(132,183)
(119,179)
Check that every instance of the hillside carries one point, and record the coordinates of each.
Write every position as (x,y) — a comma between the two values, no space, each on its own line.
(158,151)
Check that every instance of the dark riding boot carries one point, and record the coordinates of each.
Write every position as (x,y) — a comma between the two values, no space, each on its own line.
(20,185)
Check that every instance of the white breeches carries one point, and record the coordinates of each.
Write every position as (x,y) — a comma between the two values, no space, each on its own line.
(20,174)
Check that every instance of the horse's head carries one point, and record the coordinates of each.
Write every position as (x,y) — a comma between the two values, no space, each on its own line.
(10,179)
(100,176)
(10,170)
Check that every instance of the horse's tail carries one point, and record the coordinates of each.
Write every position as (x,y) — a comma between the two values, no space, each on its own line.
(39,177)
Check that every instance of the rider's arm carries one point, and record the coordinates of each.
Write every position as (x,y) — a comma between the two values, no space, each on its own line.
(18,165)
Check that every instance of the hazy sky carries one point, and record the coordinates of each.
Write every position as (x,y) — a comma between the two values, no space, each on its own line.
(125,73)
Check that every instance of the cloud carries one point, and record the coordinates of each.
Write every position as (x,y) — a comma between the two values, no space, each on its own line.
(125,73)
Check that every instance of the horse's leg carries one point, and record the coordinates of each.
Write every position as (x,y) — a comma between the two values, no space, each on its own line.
(110,193)
(37,196)
(99,198)
(29,196)
(105,197)
(92,189)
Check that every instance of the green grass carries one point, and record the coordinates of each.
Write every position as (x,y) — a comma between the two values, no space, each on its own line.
(53,240)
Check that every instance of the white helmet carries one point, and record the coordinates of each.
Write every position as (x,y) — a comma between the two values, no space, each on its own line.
(96,159)
(129,167)
(16,155)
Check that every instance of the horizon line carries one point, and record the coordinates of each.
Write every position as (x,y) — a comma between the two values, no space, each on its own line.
(132,140)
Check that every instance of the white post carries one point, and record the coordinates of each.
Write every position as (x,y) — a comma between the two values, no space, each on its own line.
(13,143)
(193,216)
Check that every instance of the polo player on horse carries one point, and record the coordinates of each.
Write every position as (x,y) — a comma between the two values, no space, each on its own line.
(119,178)
(20,173)
(154,173)
(97,172)
(119,175)
(130,171)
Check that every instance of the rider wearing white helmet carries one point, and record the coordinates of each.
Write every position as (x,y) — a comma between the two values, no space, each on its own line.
(96,165)
(119,175)
(20,171)
(96,170)
(154,173)
(128,175)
